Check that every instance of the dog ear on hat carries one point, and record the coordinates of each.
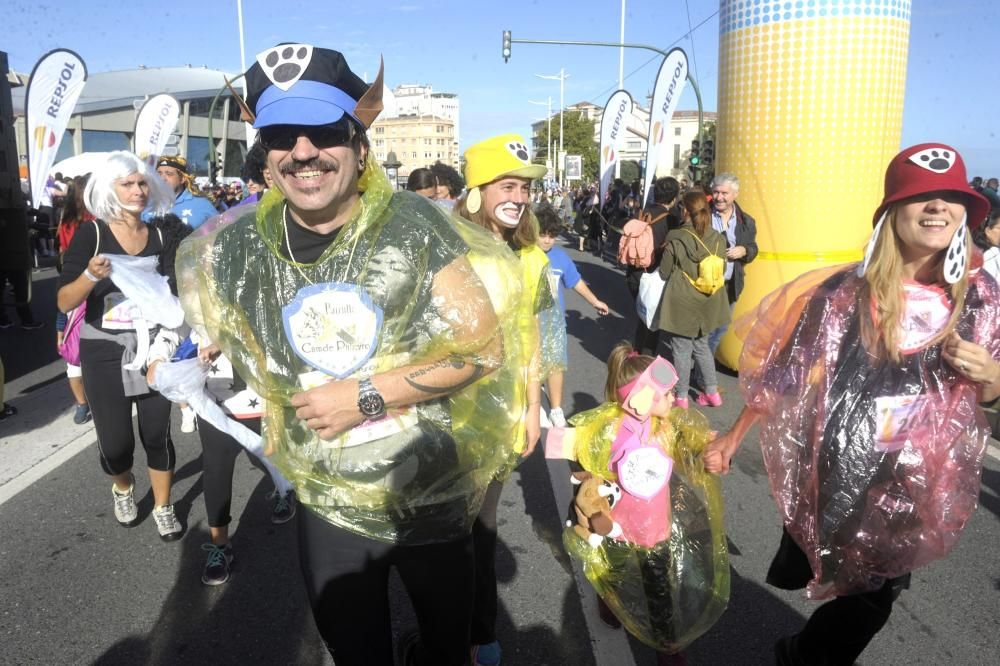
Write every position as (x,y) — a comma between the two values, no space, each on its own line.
(474,200)
(370,104)
(246,115)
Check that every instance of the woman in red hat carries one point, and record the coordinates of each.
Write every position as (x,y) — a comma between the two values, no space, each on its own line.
(865,380)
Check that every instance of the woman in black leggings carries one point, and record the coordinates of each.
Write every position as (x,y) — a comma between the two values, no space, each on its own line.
(117,194)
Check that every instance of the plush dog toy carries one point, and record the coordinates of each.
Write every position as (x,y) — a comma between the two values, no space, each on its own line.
(593,502)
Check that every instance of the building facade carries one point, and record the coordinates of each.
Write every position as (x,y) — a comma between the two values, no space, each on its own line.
(417,141)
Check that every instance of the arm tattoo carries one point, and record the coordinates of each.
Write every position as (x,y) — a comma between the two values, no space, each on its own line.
(456,363)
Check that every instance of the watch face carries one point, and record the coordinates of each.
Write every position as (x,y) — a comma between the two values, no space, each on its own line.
(371,404)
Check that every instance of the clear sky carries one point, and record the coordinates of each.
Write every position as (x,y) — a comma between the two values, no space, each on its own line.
(952,90)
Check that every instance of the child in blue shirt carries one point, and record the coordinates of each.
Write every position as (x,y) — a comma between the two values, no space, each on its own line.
(564,275)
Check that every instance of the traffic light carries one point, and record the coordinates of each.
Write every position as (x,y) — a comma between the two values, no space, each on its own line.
(505,52)
(708,153)
(694,159)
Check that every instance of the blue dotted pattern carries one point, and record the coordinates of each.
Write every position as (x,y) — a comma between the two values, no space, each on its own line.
(737,14)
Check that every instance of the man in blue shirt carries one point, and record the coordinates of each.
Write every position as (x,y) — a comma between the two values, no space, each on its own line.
(188,206)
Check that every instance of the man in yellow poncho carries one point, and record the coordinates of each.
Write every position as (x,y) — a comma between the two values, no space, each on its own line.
(358,314)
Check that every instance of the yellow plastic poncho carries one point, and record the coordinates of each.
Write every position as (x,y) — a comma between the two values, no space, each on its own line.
(667,595)
(418,476)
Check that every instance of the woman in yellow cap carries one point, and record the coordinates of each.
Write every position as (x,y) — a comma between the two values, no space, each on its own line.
(498,175)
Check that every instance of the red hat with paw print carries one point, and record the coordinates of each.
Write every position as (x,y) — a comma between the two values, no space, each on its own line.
(930,167)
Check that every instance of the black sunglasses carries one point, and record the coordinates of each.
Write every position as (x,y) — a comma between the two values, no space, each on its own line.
(284,137)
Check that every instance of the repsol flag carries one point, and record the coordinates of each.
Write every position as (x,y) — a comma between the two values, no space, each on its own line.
(669,86)
(55,85)
(614,121)
(156,121)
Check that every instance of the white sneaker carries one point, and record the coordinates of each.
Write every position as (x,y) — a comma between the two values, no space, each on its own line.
(126,512)
(189,420)
(166,522)
(543,419)
(557,417)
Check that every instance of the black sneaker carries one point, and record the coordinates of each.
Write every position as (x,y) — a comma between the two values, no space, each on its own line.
(5,324)
(31,326)
(7,411)
(284,506)
(219,564)
(81,415)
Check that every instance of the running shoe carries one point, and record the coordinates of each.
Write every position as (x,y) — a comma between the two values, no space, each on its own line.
(6,323)
(486,655)
(557,417)
(219,564)
(284,506)
(81,415)
(682,403)
(166,522)
(126,512)
(189,420)
(32,325)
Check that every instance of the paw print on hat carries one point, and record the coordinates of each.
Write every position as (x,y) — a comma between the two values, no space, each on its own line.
(938,160)
(286,63)
(518,150)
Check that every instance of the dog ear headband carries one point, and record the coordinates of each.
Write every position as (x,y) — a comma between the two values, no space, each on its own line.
(641,394)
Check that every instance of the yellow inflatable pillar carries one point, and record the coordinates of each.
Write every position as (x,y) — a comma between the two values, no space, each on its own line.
(810,113)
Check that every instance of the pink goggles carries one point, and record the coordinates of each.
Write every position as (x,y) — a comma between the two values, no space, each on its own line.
(642,393)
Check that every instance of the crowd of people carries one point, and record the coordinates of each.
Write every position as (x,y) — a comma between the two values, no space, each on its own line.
(389,350)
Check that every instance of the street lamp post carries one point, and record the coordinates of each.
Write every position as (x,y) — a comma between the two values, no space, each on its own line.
(562,105)
(548,117)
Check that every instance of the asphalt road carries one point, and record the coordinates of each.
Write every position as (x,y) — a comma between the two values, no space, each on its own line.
(75,588)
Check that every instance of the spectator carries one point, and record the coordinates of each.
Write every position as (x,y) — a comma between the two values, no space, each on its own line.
(663,219)
(563,275)
(450,182)
(423,182)
(990,192)
(740,232)
(987,239)
(189,205)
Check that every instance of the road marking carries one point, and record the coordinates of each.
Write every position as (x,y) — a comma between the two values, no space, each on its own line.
(36,472)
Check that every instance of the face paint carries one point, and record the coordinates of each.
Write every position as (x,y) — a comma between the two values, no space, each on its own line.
(508,214)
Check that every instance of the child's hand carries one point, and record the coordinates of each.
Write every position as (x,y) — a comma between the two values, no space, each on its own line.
(601,307)
(533,429)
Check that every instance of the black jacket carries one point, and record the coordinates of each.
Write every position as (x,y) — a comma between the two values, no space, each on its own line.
(746,235)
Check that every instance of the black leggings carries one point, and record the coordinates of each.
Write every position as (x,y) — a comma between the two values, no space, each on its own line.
(347,580)
(101,363)
(218,459)
(838,631)
(484,540)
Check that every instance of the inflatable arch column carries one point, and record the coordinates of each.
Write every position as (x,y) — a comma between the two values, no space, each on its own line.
(810,113)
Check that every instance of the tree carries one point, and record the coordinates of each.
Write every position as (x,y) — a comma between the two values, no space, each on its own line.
(578,140)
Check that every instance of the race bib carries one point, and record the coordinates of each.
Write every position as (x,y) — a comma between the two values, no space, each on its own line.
(896,419)
(644,471)
(333,327)
(119,313)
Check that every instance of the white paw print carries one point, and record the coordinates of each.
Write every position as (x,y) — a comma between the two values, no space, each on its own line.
(286,63)
(519,150)
(938,160)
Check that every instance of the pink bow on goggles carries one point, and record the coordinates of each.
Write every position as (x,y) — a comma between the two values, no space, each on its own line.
(642,393)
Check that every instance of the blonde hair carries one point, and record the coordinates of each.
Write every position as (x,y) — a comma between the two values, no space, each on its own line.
(883,293)
(525,234)
(624,365)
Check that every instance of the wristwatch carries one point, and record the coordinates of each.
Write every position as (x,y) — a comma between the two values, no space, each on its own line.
(370,402)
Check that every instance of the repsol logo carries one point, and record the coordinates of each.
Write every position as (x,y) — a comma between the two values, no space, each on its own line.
(618,120)
(158,125)
(65,76)
(672,88)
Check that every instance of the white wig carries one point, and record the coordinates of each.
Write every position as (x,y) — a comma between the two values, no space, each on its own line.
(100,196)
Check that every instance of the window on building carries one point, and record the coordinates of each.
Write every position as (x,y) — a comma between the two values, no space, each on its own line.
(634,145)
(99,141)
(677,131)
(677,156)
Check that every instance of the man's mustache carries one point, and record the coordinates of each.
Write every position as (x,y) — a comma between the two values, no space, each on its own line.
(308,165)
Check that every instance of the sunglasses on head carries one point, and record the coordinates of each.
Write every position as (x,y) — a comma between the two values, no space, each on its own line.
(284,137)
